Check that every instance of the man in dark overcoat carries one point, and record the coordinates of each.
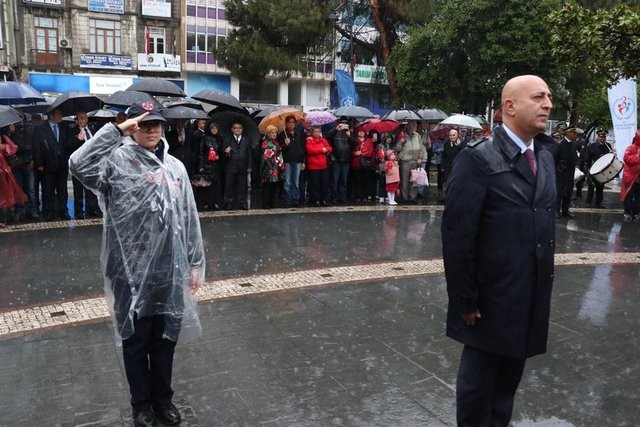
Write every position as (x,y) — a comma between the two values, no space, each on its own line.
(237,150)
(51,159)
(498,232)
(566,160)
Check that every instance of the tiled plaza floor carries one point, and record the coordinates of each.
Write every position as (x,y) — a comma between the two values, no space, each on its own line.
(316,317)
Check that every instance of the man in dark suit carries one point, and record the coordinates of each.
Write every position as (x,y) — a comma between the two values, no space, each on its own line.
(237,149)
(498,232)
(85,203)
(566,159)
(51,160)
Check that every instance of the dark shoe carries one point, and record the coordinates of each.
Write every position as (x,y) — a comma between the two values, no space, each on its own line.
(600,207)
(64,216)
(79,217)
(168,414)
(558,215)
(144,417)
(568,215)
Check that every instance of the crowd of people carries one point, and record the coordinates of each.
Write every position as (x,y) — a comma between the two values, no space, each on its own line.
(301,165)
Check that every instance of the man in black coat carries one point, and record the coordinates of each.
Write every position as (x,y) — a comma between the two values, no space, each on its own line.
(566,160)
(237,150)
(498,232)
(592,153)
(51,159)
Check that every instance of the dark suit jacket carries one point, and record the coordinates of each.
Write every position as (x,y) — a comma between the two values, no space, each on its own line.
(51,154)
(239,159)
(566,159)
(498,239)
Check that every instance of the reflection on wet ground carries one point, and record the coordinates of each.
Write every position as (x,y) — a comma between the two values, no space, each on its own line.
(369,353)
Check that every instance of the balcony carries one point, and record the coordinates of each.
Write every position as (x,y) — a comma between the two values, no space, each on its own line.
(45,59)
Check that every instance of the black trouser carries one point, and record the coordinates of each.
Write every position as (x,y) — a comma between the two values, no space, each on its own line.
(235,187)
(54,193)
(148,363)
(486,387)
(84,201)
(563,204)
(599,190)
(318,185)
(269,194)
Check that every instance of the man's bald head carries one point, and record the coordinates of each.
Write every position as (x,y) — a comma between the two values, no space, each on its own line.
(526,105)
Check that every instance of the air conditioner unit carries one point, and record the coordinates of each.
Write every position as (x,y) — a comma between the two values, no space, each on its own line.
(65,43)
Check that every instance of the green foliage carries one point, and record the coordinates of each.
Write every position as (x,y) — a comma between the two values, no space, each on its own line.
(273,35)
(605,41)
(463,56)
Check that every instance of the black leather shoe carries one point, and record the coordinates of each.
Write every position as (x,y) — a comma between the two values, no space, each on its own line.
(568,215)
(168,414)
(143,417)
(65,216)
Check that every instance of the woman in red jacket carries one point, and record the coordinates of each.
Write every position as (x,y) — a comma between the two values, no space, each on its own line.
(630,188)
(10,192)
(362,163)
(318,149)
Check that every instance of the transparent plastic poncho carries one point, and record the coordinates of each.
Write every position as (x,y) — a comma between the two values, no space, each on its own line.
(152,245)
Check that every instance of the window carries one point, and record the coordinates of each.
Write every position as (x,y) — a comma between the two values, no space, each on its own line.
(156,40)
(104,36)
(46,32)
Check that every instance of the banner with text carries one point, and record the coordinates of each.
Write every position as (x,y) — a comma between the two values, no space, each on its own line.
(623,104)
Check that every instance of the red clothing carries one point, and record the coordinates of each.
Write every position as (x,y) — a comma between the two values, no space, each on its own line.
(631,168)
(316,158)
(366,149)
(10,192)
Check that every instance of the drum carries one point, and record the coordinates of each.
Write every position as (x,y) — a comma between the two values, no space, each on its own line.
(606,168)
(577,175)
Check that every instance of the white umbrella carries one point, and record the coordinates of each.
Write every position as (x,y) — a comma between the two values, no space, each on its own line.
(461,120)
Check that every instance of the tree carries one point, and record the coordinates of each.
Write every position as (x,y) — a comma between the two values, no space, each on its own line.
(463,56)
(604,41)
(272,36)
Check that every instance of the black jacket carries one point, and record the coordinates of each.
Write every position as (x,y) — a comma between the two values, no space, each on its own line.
(566,159)
(342,145)
(295,151)
(50,154)
(498,240)
(239,160)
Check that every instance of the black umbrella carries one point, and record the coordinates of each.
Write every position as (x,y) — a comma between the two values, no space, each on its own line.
(353,111)
(102,114)
(186,102)
(19,93)
(124,98)
(72,102)
(157,87)
(8,115)
(225,119)
(264,112)
(219,98)
(38,107)
(402,115)
(183,112)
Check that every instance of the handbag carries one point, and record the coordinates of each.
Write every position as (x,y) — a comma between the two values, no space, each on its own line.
(366,163)
(14,161)
(331,159)
(212,155)
(419,177)
(200,181)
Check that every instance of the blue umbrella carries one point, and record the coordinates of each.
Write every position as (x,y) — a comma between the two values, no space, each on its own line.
(19,93)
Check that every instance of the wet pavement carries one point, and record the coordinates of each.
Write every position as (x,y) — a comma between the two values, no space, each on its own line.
(319,317)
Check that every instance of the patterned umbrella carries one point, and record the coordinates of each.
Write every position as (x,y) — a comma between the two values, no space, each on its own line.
(319,118)
(277,118)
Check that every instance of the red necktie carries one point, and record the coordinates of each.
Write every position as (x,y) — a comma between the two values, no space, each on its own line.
(531,158)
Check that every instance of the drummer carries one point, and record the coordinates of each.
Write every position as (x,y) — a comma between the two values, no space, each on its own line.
(593,152)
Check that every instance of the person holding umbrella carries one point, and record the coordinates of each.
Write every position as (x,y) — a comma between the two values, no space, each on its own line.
(84,201)
(152,252)
(292,142)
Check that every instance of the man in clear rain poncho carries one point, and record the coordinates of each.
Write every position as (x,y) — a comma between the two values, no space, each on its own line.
(152,254)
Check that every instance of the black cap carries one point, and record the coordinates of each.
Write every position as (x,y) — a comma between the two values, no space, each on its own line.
(138,108)
(571,128)
(477,131)
(601,132)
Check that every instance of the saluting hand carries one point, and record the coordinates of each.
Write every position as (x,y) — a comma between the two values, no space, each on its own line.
(131,126)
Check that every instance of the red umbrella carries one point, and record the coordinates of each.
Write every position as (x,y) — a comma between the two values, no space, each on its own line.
(381,125)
